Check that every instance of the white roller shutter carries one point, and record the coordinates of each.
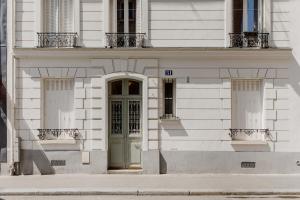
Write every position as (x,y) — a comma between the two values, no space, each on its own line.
(247,104)
(58,15)
(67,12)
(59,104)
(51,15)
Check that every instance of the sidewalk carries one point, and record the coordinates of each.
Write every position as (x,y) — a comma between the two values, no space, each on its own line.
(192,184)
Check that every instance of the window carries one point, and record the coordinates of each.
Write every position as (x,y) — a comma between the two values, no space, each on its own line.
(59,104)
(126,16)
(59,16)
(247,104)
(169,98)
(246,15)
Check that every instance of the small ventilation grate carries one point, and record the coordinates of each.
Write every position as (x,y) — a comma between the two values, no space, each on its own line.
(58,162)
(248,164)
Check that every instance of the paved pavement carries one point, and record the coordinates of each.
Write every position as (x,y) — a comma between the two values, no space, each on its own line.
(93,197)
(149,185)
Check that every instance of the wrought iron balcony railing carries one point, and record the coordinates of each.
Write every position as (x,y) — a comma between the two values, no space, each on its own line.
(54,134)
(125,40)
(57,40)
(249,134)
(249,40)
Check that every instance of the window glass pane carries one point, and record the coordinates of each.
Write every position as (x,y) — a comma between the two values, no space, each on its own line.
(168,106)
(168,90)
(132,15)
(252,14)
(238,16)
(116,88)
(116,117)
(168,97)
(133,87)
(245,16)
(120,16)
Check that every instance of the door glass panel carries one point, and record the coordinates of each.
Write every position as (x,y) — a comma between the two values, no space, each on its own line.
(134,117)
(116,88)
(133,88)
(116,117)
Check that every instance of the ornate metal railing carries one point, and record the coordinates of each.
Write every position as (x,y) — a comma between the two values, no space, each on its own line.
(125,40)
(234,133)
(249,40)
(54,134)
(57,40)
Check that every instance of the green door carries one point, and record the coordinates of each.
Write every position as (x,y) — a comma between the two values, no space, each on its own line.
(125,135)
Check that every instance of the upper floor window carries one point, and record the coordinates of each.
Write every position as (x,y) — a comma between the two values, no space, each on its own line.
(126,16)
(58,26)
(58,16)
(248,25)
(125,25)
(246,15)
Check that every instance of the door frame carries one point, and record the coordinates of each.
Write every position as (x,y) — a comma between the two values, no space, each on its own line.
(126,137)
(126,75)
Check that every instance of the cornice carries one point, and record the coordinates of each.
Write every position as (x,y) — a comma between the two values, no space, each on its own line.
(160,52)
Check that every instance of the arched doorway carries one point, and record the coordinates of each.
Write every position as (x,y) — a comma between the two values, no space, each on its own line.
(125,124)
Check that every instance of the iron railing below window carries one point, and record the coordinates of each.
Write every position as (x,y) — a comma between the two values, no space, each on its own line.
(249,40)
(54,134)
(236,134)
(58,40)
(125,40)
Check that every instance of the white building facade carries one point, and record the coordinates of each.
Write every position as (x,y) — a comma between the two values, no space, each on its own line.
(154,86)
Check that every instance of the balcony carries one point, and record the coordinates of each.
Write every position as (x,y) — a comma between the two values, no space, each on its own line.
(57,134)
(249,135)
(125,40)
(57,40)
(249,40)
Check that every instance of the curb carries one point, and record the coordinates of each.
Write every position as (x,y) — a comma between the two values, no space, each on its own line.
(138,192)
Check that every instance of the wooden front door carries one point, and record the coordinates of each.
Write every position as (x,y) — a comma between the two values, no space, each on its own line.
(125,127)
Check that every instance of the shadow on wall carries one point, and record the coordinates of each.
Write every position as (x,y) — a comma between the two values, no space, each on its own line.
(31,159)
(173,128)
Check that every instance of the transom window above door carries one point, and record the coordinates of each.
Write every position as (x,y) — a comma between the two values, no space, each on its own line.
(125,87)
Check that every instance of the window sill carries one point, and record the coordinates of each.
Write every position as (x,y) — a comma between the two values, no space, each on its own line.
(248,142)
(174,118)
(49,142)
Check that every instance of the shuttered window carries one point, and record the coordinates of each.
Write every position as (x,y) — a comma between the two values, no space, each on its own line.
(58,16)
(59,104)
(247,104)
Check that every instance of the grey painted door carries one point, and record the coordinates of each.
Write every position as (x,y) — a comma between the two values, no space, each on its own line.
(125,136)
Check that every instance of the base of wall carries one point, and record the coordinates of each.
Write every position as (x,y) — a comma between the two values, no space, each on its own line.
(229,162)
(155,162)
(4,169)
(3,155)
(39,162)
(151,162)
